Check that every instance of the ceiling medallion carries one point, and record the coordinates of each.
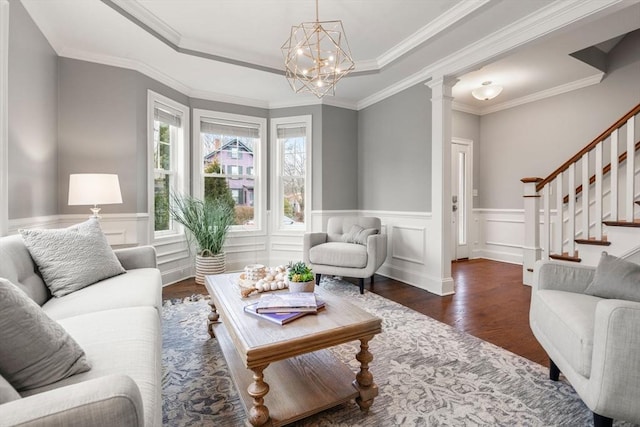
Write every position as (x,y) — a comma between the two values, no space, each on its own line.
(317,56)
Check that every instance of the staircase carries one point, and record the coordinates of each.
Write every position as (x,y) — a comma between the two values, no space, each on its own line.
(587,206)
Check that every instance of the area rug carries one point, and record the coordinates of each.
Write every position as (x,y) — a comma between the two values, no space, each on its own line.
(428,374)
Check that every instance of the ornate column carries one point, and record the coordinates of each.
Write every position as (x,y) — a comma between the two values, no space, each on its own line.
(438,260)
(531,250)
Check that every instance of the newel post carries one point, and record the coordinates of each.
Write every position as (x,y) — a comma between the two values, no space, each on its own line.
(531,250)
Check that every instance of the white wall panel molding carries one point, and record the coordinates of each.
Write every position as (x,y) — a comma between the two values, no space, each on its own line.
(50,221)
(408,244)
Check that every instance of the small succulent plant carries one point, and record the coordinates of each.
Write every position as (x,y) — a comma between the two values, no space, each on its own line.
(299,272)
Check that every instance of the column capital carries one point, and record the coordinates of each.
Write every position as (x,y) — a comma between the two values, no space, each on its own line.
(448,81)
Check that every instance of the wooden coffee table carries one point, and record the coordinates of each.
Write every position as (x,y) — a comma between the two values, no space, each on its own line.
(303,377)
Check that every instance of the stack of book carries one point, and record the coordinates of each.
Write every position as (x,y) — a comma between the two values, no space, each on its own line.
(283,307)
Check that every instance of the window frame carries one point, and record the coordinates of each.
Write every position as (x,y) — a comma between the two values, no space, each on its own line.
(179,158)
(277,193)
(259,176)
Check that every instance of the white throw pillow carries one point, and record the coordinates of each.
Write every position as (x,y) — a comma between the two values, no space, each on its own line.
(35,350)
(615,278)
(72,258)
(7,392)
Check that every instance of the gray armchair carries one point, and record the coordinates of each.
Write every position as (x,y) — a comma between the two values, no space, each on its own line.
(593,341)
(351,247)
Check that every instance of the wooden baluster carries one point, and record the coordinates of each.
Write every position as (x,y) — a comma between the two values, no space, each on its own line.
(631,168)
(571,214)
(559,221)
(585,196)
(546,199)
(613,175)
(597,215)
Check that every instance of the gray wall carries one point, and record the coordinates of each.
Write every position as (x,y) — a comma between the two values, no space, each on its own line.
(33,130)
(467,126)
(103,129)
(394,152)
(536,138)
(339,158)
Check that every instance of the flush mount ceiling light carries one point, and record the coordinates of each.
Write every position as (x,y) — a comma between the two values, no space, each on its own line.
(317,56)
(486,92)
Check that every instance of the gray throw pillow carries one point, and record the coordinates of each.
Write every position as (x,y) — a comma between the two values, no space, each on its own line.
(359,235)
(72,258)
(615,278)
(35,351)
(7,392)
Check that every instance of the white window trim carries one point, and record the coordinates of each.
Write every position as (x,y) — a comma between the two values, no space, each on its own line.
(277,210)
(182,161)
(259,163)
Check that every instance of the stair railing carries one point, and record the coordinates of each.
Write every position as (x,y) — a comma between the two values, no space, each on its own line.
(559,239)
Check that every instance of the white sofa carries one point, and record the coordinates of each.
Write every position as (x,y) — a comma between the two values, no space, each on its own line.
(593,341)
(117,322)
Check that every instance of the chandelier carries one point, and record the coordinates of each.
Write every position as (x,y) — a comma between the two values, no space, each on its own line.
(317,56)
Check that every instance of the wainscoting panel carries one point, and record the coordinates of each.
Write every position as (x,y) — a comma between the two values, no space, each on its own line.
(408,244)
(498,234)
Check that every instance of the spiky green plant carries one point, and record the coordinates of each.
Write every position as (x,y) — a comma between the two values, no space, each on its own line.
(299,272)
(207,222)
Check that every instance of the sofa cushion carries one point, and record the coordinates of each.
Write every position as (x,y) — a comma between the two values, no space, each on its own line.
(17,266)
(72,258)
(569,319)
(35,350)
(339,254)
(615,278)
(115,347)
(139,287)
(7,392)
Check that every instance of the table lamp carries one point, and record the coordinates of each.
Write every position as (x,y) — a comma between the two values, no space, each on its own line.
(94,189)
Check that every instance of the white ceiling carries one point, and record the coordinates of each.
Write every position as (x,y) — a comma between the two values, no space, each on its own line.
(229,50)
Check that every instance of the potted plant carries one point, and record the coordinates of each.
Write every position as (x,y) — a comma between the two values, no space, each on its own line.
(207,223)
(300,278)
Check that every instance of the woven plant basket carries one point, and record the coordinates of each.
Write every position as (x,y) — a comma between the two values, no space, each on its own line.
(209,265)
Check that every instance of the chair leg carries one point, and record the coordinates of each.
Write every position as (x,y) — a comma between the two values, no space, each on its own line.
(600,421)
(554,371)
(318,277)
(361,284)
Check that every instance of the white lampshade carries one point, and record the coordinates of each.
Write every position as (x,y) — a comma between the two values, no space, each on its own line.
(486,92)
(94,189)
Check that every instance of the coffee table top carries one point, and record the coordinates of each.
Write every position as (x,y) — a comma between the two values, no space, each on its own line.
(259,342)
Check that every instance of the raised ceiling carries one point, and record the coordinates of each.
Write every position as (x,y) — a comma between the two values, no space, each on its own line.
(229,50)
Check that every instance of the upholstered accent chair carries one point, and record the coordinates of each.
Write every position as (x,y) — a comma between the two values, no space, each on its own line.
(352,247)
(588,321)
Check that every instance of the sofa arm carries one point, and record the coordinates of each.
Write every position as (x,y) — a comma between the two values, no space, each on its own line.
(562,276)
(108,401)
(139,257)
(376,251)
(310,240)
(615,366)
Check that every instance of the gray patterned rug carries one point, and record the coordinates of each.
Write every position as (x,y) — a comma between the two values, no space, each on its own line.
(428,374)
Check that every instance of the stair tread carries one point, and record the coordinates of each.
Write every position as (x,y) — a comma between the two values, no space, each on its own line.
(565,257)
(592,241)
(635,223)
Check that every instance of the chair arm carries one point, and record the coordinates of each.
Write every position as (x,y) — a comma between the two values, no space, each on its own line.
(108,401)
(615,367)
(376,251)
(310,240)
(562,276)
(138,257)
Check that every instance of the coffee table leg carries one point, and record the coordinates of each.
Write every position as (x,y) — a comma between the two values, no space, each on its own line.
(258,414)
(213,318)
(364,379)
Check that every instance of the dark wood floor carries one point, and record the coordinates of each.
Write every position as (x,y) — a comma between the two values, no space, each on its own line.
(490,303)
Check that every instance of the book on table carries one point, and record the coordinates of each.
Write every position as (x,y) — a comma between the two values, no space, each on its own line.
(280,318)
(283,302)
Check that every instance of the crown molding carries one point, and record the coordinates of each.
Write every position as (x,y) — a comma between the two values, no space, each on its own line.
(466,108)
(546,20)
(548,93)
(433,28)
(141,13)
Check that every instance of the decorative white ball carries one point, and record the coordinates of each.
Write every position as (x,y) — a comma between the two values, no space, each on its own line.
(274,286)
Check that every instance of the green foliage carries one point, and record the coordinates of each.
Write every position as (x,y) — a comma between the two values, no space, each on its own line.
(299,272)
(288,209)
(217,187)
(161,211)
(207,222)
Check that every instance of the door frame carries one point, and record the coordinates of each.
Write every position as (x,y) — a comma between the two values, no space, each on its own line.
(468,196)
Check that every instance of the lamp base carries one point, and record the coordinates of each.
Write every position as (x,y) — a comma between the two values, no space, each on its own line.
(96,212)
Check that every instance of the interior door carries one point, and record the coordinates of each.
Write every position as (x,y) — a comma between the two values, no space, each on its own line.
(461,202)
